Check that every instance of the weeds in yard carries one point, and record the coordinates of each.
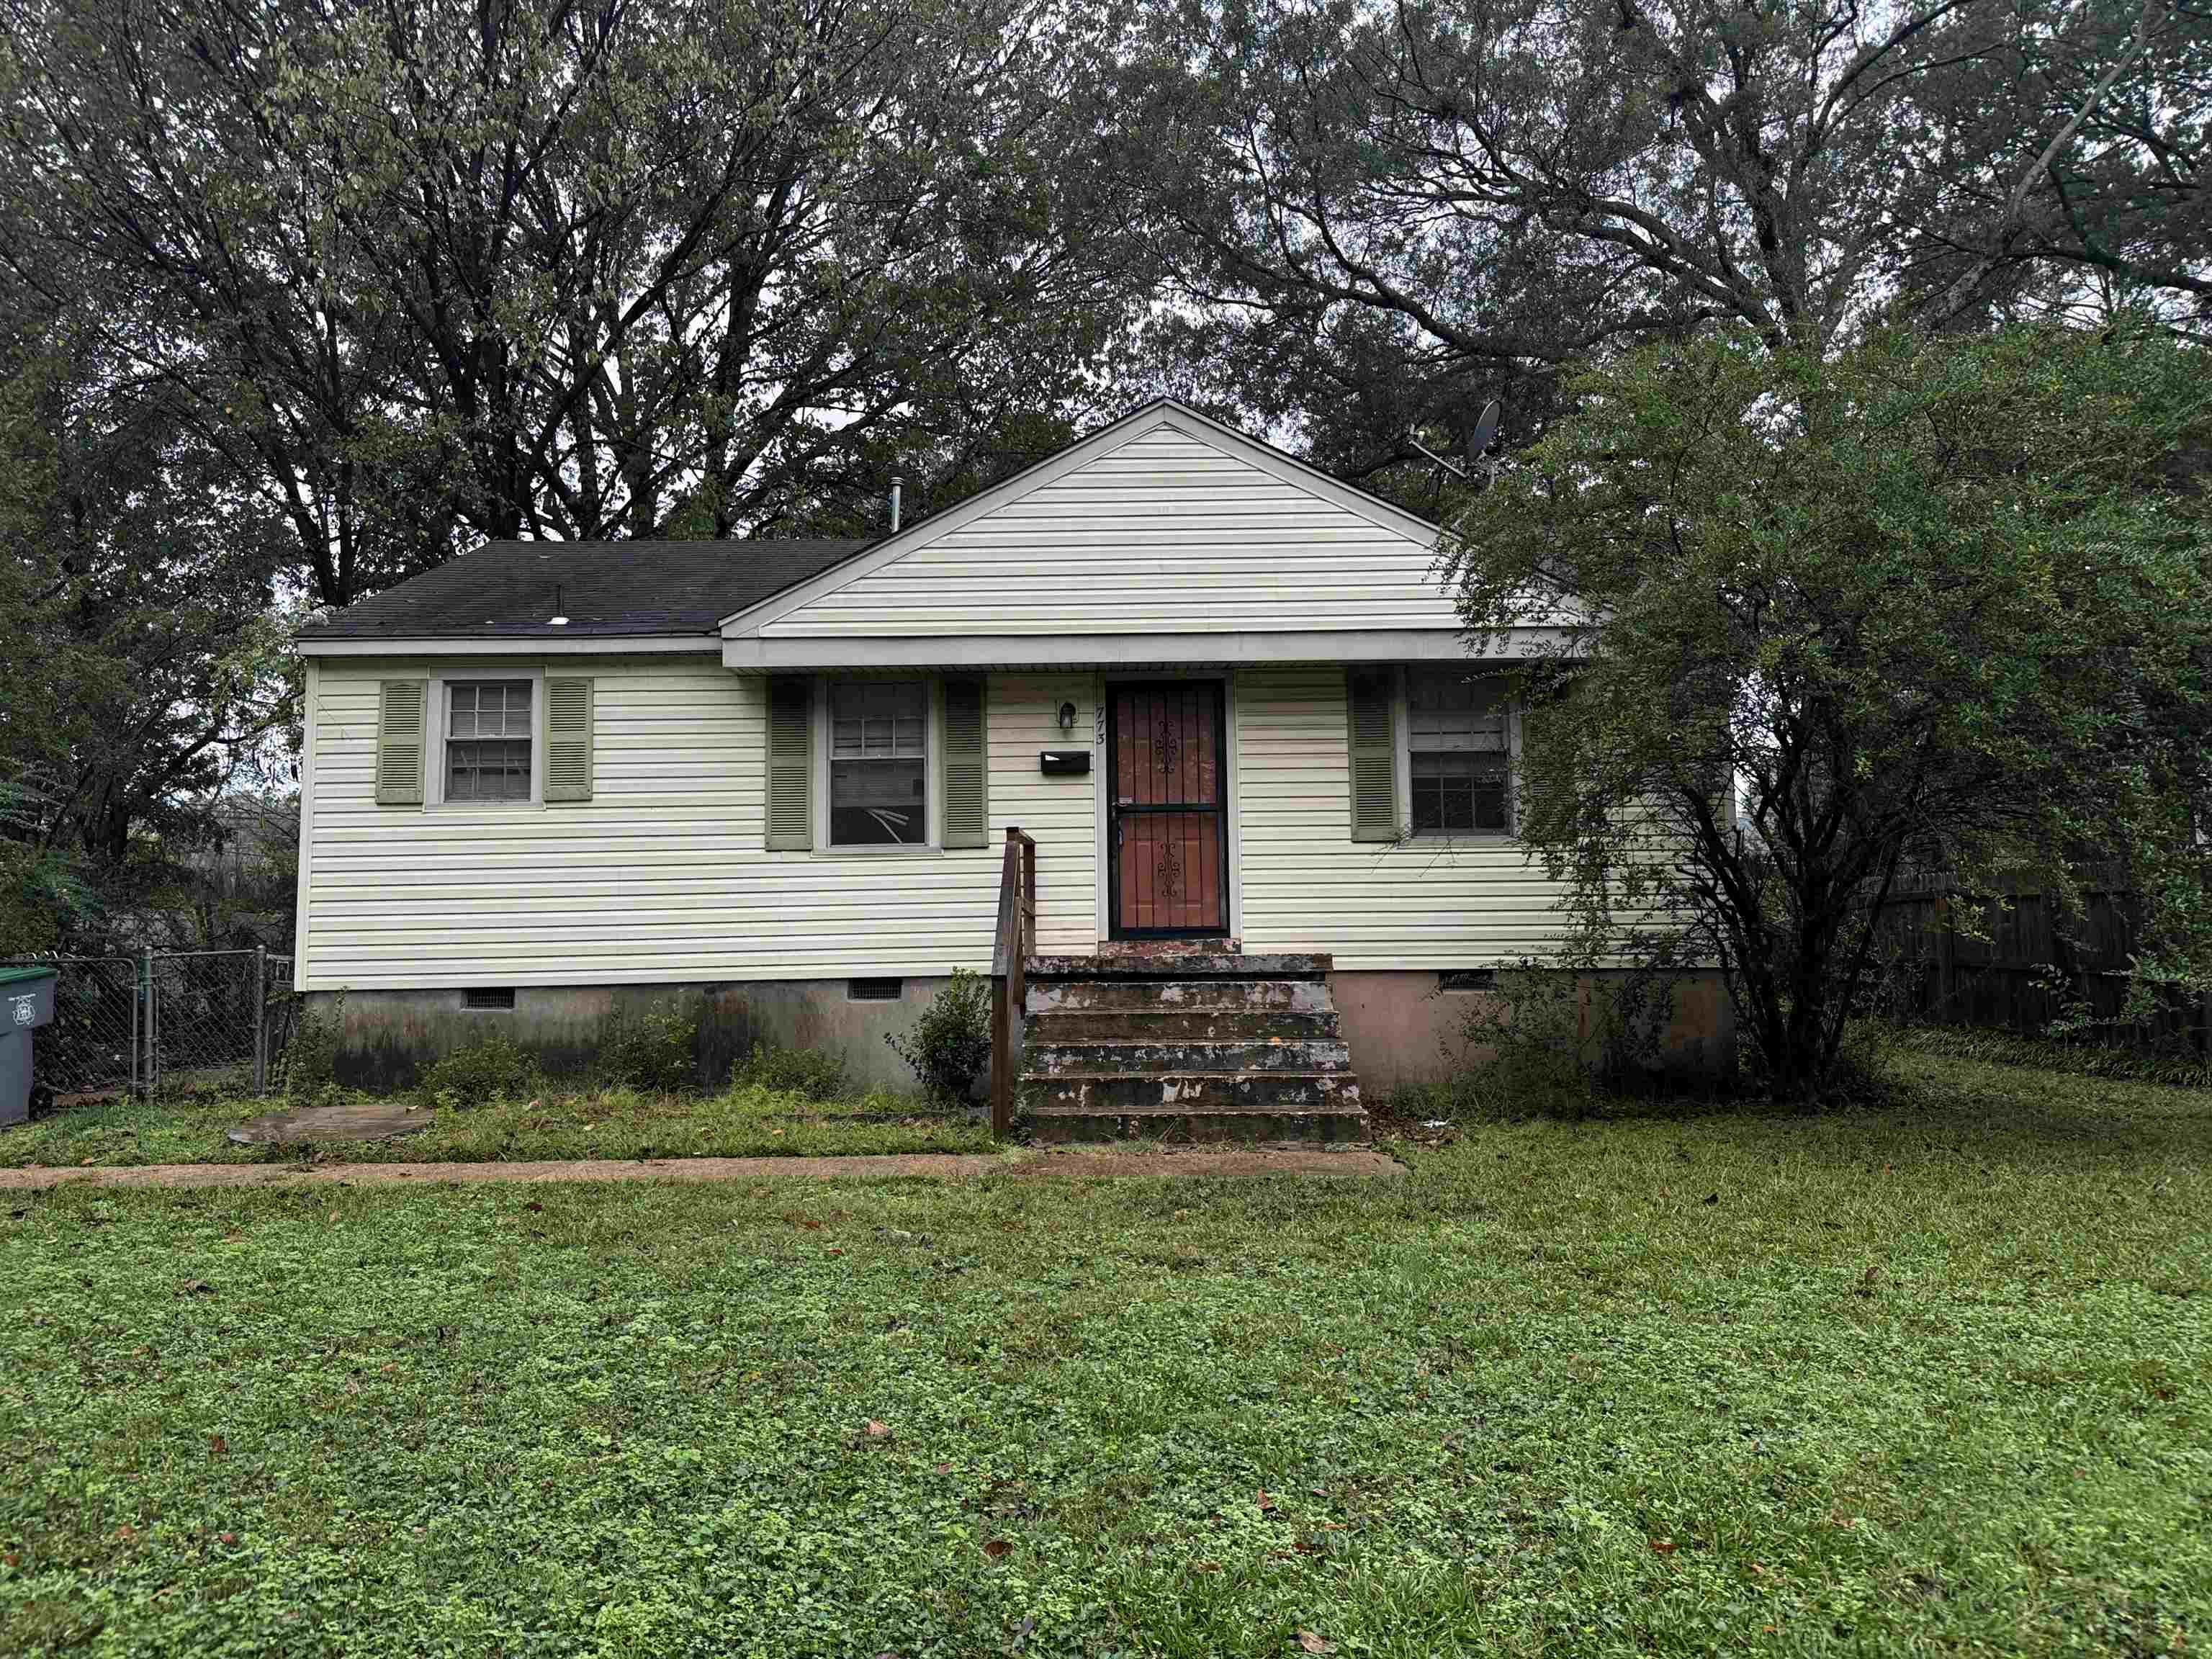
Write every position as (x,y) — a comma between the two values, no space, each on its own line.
(744,1120)
(1933,1378)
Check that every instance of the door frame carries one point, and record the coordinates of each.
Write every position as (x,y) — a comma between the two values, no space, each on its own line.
(1225,741)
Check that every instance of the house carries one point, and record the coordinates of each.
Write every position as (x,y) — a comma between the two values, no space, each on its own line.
(1223,693)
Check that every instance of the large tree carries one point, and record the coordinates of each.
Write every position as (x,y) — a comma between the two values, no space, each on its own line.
(428,270)
(141,670)
(1385,215)
(1945,602)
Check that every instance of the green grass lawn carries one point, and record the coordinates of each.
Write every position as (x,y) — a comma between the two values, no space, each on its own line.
(1933,1379)
(743,1120)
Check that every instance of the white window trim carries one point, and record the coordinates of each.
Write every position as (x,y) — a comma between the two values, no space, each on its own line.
(433,781)
(1402,783)
(930,845)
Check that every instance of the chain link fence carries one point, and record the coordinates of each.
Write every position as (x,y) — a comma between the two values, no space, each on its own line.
(176,1022)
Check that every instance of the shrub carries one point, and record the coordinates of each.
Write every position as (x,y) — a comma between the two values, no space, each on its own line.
(1560,1041)
(494,1067)
(311,1057)
(806,1072)
(951,1041)
(654,1049)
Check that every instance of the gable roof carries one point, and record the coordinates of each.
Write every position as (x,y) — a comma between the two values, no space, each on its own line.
(1264,459)
(506,590)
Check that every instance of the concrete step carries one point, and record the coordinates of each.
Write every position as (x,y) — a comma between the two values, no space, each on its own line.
(1179,1055)
(1055,1125)
(1116,1093)
(1305,996)
(1174,1024)
(1176,964)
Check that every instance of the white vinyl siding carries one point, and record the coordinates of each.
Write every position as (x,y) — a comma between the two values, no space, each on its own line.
(1168,532)
(662,875)
(1309,886)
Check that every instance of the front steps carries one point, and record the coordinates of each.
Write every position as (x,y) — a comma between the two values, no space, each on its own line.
(1186,1045)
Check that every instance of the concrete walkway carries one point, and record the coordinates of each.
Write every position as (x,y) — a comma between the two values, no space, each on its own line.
(1078,1165)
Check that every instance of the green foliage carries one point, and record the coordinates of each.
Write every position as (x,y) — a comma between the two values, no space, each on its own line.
(310,1059)
(651,1048)
(1940,603)
(1599,1389)
(951,1041)
(1400,212)
(540,1123)
(492,1068)
(725,169)
(811,1074)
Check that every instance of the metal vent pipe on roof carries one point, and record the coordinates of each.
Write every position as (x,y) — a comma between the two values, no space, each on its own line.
(898,483)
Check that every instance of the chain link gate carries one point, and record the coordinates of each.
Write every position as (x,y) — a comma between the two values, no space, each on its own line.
(167,1022)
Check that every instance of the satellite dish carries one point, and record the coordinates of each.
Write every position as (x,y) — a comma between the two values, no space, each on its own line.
(1486,431)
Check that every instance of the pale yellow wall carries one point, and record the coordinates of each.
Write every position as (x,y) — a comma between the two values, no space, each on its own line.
(662,876)
(1309,886)
(1171,531)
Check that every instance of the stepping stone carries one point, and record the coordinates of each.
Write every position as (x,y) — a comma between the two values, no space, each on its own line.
(367,1119)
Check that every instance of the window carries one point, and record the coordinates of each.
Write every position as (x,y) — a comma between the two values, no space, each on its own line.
(487,740)
(878,754)
(1459,753)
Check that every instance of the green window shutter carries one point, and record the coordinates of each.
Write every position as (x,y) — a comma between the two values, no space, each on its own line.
(399,741)
(790,764)
(1368,699)
(967,766)
(567,739)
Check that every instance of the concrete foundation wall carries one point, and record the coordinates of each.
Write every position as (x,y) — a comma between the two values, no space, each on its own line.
(386,1038)
(1397,1023)
(1402,1028)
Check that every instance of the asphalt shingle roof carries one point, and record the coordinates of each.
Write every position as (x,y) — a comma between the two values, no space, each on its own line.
(505,589)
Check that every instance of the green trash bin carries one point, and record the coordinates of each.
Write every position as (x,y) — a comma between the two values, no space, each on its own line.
(26,1002)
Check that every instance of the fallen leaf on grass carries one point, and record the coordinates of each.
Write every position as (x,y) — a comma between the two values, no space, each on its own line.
(875,1430)
(1313,1644)
(217,1445)
(197,1287)
(1267,1503)
(229,1538)
(1662,1547)
(995,1547)
(945,1468)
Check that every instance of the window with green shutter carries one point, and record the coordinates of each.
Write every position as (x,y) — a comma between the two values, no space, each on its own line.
(1369,695)
(400,705)
(790,763)
(568,717)
(967,766)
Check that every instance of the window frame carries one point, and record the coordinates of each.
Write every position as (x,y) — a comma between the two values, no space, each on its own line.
(1402,734)
(441,722)
(932,759)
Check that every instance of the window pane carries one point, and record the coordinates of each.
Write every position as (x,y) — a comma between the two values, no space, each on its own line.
(1448,709)
(487,769)
(883,719)
(1458,793)
(878,803)
(489,708)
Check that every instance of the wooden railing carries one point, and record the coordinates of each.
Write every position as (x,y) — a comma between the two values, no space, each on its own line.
(1017,937)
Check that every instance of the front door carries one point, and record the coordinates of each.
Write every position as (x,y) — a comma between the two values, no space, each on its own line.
(1168,825)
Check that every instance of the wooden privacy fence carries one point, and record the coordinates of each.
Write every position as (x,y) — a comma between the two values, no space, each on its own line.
(2014,962)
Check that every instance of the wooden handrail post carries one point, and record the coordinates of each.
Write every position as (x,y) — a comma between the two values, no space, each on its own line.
(1009,947)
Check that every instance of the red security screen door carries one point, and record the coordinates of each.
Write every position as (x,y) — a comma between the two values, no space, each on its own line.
(1168,841)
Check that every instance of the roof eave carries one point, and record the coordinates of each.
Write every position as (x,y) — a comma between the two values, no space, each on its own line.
(503,645)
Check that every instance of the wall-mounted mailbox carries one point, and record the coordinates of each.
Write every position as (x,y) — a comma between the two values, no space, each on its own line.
(1064,762)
